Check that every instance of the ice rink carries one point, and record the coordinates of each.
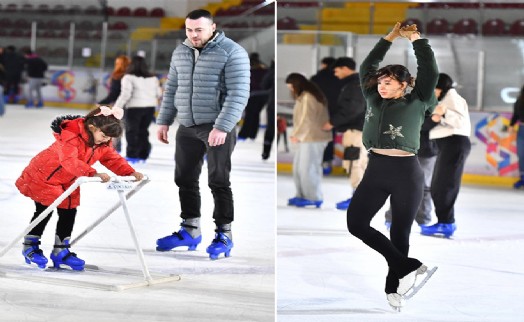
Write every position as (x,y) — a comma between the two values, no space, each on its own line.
(239,288)
(325,274)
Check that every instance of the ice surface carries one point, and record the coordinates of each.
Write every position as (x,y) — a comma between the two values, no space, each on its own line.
(239,288)
(326,274)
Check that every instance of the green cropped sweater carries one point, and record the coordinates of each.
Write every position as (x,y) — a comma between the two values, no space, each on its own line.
(395,123)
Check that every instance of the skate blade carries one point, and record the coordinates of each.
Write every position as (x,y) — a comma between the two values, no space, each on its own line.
(62,270)
(439,235)
(395,308)
(414,290)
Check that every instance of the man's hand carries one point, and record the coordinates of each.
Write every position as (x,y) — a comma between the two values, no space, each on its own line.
(162,133)
(327,126)
(216,137)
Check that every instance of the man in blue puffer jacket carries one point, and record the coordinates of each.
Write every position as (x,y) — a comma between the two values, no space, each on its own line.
(207,88)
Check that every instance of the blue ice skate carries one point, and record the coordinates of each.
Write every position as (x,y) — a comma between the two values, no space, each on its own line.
(135,160)
(344,204)
(293,201)
(221,244)
(178,239)
(519,184)
(306,202)
(65,257)
(34,254)
(438,229)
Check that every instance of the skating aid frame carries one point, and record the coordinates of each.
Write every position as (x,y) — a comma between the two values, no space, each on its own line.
(148,279)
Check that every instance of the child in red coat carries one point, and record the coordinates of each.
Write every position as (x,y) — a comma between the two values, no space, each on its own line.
(80,142)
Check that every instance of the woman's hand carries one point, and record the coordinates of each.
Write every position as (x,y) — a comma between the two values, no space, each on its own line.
(294,139)
(440,110)
(394,33)
(408,30)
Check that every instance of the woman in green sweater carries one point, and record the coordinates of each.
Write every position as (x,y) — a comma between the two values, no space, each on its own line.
(391,134)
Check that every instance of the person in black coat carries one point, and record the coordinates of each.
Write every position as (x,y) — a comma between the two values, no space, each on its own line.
(268,83)
(13,64)
(257,99)
(35,67)
(348,118)
(518,117)
(121,64)
(331,86)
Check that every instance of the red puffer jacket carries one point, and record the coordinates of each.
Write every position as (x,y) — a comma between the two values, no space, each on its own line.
(55,169)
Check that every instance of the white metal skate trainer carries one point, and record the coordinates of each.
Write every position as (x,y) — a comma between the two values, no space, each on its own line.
(395,300)
(410,284)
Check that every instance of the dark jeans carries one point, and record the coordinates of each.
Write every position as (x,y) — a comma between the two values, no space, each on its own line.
(191,146)
(447,176)
(137,131)
(64,226)
(403,180)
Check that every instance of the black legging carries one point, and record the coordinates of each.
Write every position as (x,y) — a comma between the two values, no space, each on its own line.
(138,121)
(64,226)
(447,175)
(269,134)
(402,179)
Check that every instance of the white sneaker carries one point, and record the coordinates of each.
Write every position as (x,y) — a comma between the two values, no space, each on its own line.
(395,300)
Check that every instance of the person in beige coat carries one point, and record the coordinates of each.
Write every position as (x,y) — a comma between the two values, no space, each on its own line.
(309,115)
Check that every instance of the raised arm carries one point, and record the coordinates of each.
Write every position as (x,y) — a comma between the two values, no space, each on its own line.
(427,70)
(369,66)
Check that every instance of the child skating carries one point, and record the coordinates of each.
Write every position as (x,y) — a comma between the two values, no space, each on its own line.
(80,143)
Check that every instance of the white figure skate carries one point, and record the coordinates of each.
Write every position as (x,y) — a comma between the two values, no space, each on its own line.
(408,285)
(395,300)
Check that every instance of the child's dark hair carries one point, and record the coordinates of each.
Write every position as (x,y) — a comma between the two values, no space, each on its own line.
(109,125)
(397,72)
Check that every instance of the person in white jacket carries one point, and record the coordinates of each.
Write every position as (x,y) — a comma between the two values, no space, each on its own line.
(139,96)
(451,133)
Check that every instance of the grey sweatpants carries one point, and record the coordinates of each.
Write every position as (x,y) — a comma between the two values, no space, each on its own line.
(35,86)
(307,170)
